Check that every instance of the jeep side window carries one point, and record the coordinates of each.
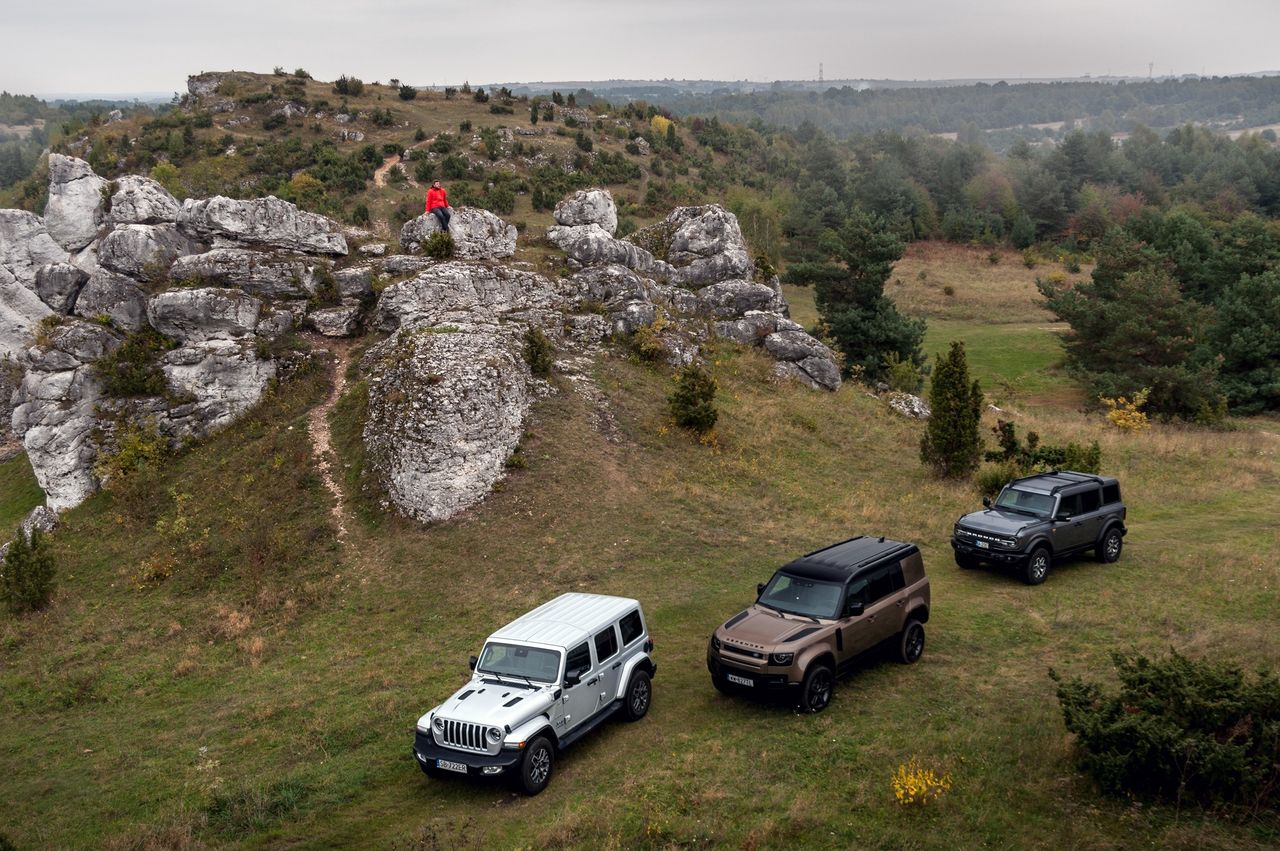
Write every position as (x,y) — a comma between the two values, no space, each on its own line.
(1090,500)
(579,660)
(606,644)
(1110,494)
(632,627)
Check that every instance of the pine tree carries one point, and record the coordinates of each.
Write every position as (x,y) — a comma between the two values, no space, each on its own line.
(693,403)
(951,443)
(533,113)
(26,583)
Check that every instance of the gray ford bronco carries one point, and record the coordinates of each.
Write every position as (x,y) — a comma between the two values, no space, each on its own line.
(1039,518)
(541,683)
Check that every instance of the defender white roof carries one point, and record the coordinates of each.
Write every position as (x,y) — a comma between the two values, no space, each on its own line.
(567,620)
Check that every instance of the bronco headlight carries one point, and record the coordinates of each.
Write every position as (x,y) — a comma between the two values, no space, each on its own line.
(494,734)
(781,658)
(438,724)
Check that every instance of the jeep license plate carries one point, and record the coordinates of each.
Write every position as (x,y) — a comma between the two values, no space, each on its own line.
(742,681)
(982,545)
(447,765)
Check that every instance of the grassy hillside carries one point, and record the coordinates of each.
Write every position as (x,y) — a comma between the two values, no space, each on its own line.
(264,693)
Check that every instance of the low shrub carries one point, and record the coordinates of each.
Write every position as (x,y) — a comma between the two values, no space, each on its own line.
(1031,456)
(133,369)
(26,584)
(1127,414)
(1179,730)
(693,401)
(439,245)
(408,92)
(991,478)
(139,446)
(903,375)
(539,353)
(915,784)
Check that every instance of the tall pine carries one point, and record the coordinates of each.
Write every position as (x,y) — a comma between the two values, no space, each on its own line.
(951,444)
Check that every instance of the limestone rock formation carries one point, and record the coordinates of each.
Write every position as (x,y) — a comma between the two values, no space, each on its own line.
(58,285)
(703,245)
(261,273)
(733,298)
(909,405)
(194,316)
(75,209)
(20,312)
(340,321)
(589,207)
(263,221)
(115,297)
(144,252)
(461,292)
(477,234)
(141,201)
(25,245)
(225,378)
(591,245)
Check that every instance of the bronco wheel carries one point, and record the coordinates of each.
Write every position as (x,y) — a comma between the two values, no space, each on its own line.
(1037,566)
(639,694)
(911,642)
(815,691)
(1109,550)
(966,562)
(535,768)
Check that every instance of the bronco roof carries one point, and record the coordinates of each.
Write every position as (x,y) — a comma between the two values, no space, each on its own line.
(566,620)
(838,562)
(1059,479)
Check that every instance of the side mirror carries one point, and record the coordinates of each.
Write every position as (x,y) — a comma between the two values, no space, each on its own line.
(855,609)
(986,502)
(473,661)
(1064,515)
(572,678)
(759,588)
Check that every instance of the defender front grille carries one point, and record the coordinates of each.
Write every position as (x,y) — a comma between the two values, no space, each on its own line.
(464,736)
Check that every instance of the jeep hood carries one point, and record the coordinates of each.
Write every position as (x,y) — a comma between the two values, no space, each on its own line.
(483,702)
(761,628)
(996,522)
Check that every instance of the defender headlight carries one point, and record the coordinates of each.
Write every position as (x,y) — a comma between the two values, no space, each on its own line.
(715,643)
(781,658)
(494,734)
(438,724)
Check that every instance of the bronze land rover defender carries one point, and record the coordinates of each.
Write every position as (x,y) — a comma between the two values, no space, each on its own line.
(816,615)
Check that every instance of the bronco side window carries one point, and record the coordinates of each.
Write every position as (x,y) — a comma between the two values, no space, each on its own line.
(1089,501)
(579,660)
(632,628)
(1110,494)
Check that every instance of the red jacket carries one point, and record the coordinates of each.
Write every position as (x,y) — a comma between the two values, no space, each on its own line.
(436,198)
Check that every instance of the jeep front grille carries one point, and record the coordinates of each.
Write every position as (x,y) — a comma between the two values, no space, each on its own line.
(464,736)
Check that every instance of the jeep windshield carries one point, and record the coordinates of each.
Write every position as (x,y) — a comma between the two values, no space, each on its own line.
(519,661)
(799,596)
(1025,502)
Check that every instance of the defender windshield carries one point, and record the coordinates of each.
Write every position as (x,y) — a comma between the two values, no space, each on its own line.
(517,660)
(1025,502)
(800,596)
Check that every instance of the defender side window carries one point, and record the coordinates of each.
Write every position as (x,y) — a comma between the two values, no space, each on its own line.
(884,582)
(578,660)
(631,626)
(1110,494)
(606,644)
(857,592)
(1090,500)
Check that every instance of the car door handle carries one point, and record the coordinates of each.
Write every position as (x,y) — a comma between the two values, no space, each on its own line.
(593,681)
(901,603)
(616,666)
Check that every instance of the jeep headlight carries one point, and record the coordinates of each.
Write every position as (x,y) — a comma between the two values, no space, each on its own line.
(495,735)
(781,658)
(437,723)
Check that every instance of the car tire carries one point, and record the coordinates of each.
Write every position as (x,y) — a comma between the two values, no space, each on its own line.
(1110,547)
(911,642)
(536,766)
(966,562)
(638,696)
(1038,564)
(817,687)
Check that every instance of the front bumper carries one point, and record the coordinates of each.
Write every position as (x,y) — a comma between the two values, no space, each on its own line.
(991,555)
(761,681)
(426,752)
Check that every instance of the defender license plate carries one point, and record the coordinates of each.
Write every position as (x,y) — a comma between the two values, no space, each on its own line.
(451,766)
(742,681)
(982,545)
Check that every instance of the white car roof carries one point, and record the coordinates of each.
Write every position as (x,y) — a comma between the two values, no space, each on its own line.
(567,620)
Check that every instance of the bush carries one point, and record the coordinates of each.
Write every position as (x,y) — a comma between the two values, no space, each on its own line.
(1179,730)
(693,403)
(539,354)
(360,215)
(500,199)
(26,584)
(424,171)
(1031,456)
(951,444)
(345,85)
(1127,414)
(583,141)
(131,370)
(902,374)
(139,446)
(408,92)
(419,135)
(439,245)
(454,167)
(991,478)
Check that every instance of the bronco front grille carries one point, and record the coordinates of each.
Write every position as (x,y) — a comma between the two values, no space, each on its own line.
(464,736)
(970,535)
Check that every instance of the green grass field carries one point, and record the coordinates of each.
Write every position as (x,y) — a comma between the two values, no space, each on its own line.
(263,695)
(19,493)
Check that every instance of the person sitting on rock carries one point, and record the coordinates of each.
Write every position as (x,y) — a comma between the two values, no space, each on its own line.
(438,204)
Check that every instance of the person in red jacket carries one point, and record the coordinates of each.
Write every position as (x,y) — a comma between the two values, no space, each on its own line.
(438,204)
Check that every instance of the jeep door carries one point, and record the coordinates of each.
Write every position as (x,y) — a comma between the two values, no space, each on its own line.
(609,666)
(579,700)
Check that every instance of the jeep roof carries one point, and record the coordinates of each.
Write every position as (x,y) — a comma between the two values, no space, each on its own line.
(841,561)
(567,620)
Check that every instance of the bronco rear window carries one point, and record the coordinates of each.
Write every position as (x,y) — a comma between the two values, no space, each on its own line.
(1110,494)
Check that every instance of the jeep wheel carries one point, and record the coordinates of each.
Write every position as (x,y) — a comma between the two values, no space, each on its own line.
(966,562)
(815,691)
(1037,566)
(535,768)
(911,642)
(639,693)
(1109,550)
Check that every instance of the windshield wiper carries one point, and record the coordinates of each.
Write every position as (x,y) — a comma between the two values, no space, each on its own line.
(792,612)
(1017,510)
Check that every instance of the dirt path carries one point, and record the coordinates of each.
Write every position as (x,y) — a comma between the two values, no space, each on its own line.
(318,426)
(380,176)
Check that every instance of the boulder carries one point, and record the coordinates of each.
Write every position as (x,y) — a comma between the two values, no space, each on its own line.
(734,298)
(262,221)
(591,245)
(21,311)
(75,210)
(197,315)
(58,285)
(458,292)
(141,201)
(588,207)
(224,378)
(753,327)
(25,245)
(264,274)
(703,244)
(114,296)
(909,405)
(356,282)
(145,252)
(446,410)
(373,249)
(340,321)
(477,234)
(406,264)
(794,346)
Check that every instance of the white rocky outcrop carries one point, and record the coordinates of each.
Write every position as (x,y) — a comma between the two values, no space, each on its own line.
(589,207)
(592,245)
(20,313)
(141,201)
(262,273)
(194,316)
(263,221)
(477,234)
(58,285)
(340,321)
(25,245)
(462,292)
(145,252)
(76,205)
(224,378)
(111,296)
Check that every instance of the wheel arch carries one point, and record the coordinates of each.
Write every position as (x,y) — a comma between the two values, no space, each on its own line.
(920,612)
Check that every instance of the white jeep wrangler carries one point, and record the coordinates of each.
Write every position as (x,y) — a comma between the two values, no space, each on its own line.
(541,683)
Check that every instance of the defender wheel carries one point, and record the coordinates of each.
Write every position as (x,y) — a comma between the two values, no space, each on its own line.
(966,562)
(1108,551)
(1037,566)
(911,642)
(535,768)
(815,691)
(639,694)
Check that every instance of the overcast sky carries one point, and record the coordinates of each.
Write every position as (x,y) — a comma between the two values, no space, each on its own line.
(152,45)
